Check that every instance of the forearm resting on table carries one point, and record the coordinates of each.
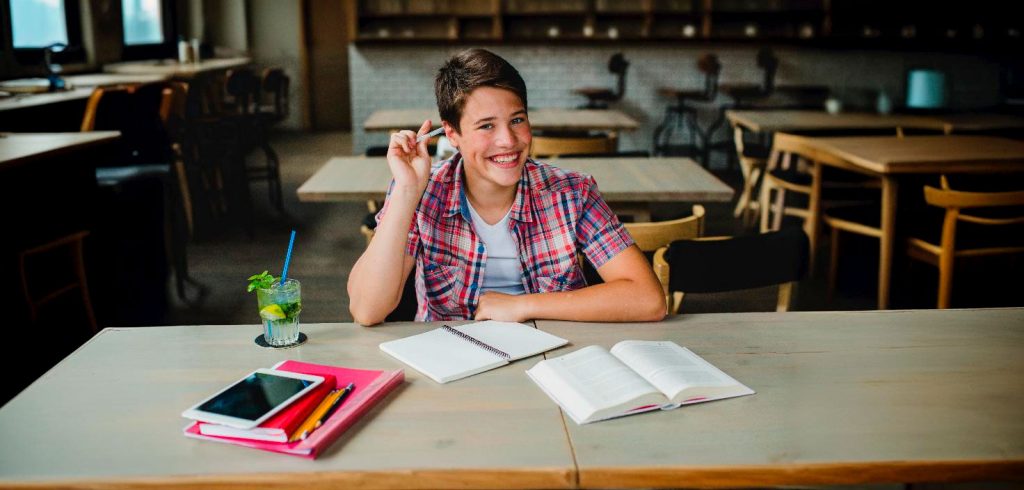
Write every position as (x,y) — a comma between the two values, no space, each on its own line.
(375,283)
(622,300)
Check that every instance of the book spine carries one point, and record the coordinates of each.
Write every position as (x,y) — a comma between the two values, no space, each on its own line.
(477,342)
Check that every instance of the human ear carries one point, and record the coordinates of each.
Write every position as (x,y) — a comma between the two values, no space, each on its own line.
(452,135)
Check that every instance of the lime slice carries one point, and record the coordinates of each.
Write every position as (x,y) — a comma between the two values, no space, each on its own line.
(272,312)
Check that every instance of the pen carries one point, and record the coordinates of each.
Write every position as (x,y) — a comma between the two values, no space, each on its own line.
(430,134)
(321,409)
(334,406)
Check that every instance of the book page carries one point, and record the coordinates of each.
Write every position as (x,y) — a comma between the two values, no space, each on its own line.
(591,384)
(515,339)
(676,371)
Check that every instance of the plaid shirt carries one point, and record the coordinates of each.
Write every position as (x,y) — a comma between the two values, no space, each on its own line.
(555,213)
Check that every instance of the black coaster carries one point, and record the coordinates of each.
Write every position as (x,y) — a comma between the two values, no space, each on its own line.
(260,341)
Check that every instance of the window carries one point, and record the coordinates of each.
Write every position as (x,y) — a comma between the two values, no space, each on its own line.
(38,23)
(143,22)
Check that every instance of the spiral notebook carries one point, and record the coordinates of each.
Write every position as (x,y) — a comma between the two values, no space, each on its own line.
(450,353)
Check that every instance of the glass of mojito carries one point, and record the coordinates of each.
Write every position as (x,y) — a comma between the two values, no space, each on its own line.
(280,304)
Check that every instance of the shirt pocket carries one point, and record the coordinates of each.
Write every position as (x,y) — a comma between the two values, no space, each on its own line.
(441,284)
(567,279)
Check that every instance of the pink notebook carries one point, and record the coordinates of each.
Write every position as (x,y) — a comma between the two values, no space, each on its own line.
(370,388)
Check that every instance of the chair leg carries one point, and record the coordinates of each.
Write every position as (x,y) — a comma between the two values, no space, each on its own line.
(766,196)
(945,280)
(833,265)
(273,177)
(779,208)
(84,286)
(746,169)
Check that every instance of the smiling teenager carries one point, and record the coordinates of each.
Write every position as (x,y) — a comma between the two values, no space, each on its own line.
(493,234)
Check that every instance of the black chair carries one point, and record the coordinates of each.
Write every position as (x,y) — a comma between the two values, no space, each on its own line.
(681,117)
(599,97)
(718,264)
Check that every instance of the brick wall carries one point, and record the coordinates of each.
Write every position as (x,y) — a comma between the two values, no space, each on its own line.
(394,77)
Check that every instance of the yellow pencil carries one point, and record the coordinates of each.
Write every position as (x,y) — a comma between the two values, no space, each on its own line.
(321,409)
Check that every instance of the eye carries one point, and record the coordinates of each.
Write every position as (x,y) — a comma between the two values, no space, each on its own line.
(518,120)
(486,126)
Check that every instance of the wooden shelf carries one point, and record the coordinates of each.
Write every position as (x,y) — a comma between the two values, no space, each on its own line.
(987,25)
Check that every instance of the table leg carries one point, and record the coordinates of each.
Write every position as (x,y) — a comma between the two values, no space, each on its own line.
(887,241)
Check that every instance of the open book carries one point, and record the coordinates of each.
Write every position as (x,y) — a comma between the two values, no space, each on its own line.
(636,376)
(449,353)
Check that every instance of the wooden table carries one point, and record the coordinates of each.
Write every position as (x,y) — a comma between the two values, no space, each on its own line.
(20,148)
(767,121)
(541,119)
(173,69)
(621,180)
(110,415)
(843,397)
(888,158)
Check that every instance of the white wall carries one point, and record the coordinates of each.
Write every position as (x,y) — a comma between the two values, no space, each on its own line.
(394,77)
(276,39)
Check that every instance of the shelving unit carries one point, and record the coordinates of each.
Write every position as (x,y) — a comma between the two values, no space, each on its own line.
(909,24)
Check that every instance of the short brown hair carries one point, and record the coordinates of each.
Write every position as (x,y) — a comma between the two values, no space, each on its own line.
(467,71)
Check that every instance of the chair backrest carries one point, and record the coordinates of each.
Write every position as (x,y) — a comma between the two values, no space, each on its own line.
(652,236)
(554,146)
(711,68)
(137,112)
(768,62)
(243,86)
(618,65)
(717,264)
(275,84)
(954,201)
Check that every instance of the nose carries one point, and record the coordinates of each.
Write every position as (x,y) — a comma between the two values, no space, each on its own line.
(506,137)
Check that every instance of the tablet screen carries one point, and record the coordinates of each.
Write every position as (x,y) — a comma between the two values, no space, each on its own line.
(254,396)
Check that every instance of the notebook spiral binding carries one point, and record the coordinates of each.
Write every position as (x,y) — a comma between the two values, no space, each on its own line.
(478,343)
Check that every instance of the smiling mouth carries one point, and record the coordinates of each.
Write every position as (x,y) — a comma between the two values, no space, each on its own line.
(505,160)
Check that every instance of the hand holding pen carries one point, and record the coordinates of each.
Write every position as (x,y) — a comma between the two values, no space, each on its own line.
(408,158)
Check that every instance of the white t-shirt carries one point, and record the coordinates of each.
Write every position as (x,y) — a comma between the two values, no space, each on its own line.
(502,272)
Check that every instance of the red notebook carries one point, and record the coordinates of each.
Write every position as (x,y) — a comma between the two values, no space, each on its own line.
(281,426)
(370,387)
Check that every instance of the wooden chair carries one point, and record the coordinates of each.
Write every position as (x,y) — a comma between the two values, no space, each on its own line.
(553,146)
(652,236)
(753,161)
(716,264)
(967,235)
(73,245)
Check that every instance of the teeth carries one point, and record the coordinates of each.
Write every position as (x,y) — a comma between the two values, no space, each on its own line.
(504,158)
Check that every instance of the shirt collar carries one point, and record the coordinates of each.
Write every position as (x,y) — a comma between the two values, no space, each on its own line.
(522,209)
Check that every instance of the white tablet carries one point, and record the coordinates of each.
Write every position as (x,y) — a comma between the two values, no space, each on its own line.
(254,398)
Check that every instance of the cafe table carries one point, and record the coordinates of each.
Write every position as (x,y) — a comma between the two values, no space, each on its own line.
(842,398)
(624,182)
(889,158)
(795,121)
(174,69)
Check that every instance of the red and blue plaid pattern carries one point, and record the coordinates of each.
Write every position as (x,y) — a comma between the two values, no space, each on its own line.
(556,212)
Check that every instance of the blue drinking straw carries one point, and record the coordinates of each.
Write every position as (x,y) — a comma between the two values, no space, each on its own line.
(288,258)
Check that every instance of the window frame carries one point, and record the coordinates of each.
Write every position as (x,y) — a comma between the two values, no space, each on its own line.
(166,49)
(75,52)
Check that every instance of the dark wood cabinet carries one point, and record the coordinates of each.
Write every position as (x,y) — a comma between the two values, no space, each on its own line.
(906,24)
